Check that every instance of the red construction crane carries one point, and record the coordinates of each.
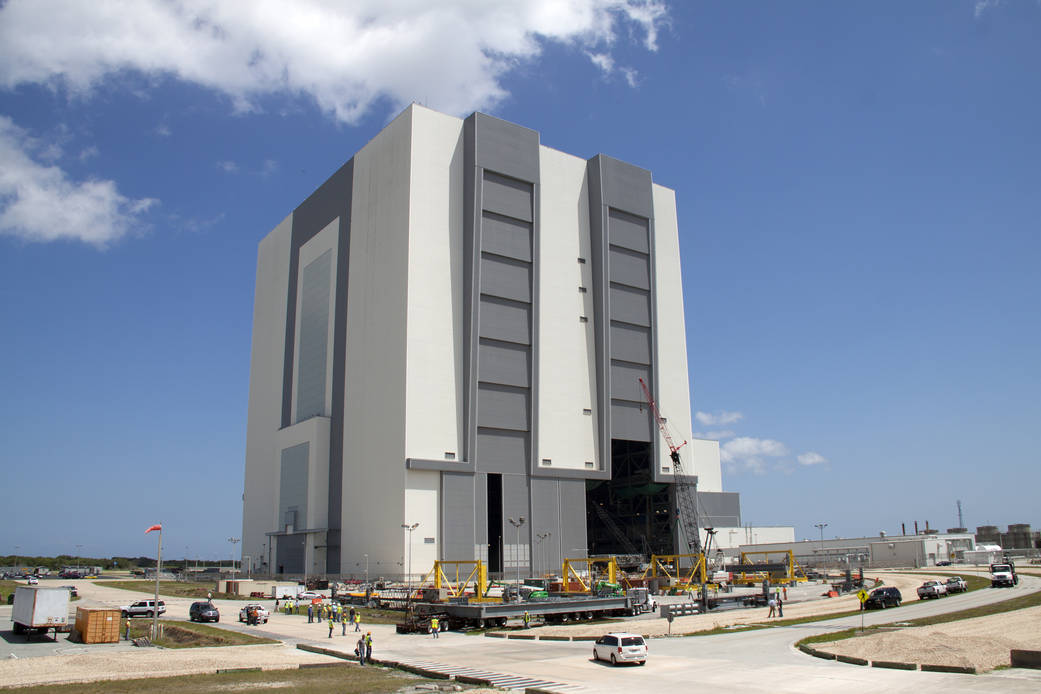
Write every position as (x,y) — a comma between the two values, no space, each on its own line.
(686,491)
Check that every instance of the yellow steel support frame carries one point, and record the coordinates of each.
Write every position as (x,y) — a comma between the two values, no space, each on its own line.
(569,573)
(457,588)
(793,573)
(694,577)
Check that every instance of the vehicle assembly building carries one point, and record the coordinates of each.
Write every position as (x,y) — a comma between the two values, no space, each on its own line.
(450,332)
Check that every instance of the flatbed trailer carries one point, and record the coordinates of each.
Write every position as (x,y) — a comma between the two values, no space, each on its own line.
(554,611)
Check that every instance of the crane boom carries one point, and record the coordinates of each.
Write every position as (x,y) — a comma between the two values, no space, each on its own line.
(686,491)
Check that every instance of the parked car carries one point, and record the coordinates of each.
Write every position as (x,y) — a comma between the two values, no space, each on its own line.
(943,563)
(33,581)
(620,647)
(203,612)
(143,608)
(262,613)
(931,589)
(881,598)
(1003,575)
(308,595)
(956,584)
(72,591)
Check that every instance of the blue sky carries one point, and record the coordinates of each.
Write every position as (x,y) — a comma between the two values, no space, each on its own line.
(858,186)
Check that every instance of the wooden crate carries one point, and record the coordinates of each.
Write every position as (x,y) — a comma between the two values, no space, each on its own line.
(98,624)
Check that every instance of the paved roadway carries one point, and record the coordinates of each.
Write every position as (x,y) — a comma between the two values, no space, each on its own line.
(754,661)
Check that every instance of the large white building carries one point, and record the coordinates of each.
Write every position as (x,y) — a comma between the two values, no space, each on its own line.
(450,332)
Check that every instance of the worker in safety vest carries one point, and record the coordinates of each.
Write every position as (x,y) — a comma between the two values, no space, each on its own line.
(527,619)
(343,624)
(331,624)
(435,626)
(357,621)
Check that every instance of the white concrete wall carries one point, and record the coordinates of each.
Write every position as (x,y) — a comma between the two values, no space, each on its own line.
(422,506)
(705,454)
(673,382)
(435,403)
(260,505)
(374,414)
(567,349)
(325,240)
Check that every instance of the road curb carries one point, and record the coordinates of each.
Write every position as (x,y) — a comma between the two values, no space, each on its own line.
(894,665)
(1019,657)
(851,660)
(415,669)
(554,638)
(228,670)
(949,668)
(815,653)
(523,637)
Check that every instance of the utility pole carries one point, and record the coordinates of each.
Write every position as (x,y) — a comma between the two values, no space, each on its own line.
(234,541)
(821,527)
(410,529)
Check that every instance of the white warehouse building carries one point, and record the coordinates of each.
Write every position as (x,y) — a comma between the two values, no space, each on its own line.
(449,332)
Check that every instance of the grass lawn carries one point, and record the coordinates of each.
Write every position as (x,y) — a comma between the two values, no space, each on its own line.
(172,589)
(7,588)
(1032,600)
(342,679)
(192,635)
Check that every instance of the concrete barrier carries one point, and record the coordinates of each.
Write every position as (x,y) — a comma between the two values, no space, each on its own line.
(226,670)
(1023,658)
(495,635)
(851,660)
(809,650)
(554,638)
(893,665)
(311,666)
(949,668)
(469,679)
(584,638)
(529,637)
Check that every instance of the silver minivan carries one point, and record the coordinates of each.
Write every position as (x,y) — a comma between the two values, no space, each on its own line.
(620,647)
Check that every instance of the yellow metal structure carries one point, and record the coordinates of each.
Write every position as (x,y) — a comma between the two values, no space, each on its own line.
(594,573)
(668,566)
(792,573)
(458,582)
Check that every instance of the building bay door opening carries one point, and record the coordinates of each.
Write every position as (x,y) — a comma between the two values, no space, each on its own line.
(495,546)
(630,513)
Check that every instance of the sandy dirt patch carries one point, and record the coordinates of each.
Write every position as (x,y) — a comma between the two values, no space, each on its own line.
(149,662)
(981,642)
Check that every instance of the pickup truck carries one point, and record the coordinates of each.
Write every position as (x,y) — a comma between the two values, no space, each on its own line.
(956,584)
(1003,575)
(931,589)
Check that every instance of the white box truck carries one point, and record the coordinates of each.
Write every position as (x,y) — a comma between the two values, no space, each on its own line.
(39,609)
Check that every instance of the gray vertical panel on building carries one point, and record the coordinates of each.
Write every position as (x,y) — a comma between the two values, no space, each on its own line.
(458,501)
(505,147)
(292,488)
(507,196)
(629,268)
(289,554)
(628,231)
(506,237)
(630,343)
(515,504)
(503,407)
(630,305)
(502,451)
(506,278)
(312,358)
(545,518)
(505,320)
(504,363)
(332,200)
(627,187)
(629,421)
(573,518)
(625,383)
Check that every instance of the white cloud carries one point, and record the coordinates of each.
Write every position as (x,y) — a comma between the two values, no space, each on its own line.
(811,458)
(604,61)
(88,153)
(38,202)
(983,6)
(347,57)
(630,76)
(717,419)
(747,453)
(227,166)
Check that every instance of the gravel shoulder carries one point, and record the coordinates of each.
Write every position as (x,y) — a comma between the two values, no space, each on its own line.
(981,642)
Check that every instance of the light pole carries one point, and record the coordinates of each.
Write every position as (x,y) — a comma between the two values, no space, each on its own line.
(367,570)
(821,527)
(234,541)
(410,529)
(541,537)
(517,525)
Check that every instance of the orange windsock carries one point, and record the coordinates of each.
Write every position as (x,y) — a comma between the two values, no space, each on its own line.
(157,526)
